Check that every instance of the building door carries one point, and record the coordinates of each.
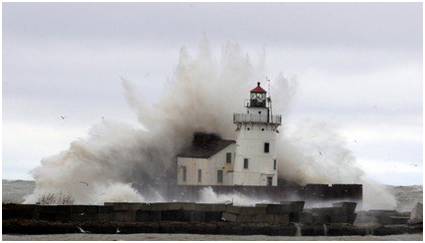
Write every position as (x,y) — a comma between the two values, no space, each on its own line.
(269,181)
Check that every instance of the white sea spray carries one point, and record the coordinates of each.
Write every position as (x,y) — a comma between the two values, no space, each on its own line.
(202,95)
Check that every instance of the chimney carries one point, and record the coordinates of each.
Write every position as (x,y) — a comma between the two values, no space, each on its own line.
(203,139)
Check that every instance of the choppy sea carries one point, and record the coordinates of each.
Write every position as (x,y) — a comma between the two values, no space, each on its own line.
(15,190)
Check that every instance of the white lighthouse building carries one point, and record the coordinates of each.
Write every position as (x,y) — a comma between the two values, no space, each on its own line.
(251,160)
(256,157)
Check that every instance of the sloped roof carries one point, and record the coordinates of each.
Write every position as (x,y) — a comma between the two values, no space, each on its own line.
(258,89)
(205,150)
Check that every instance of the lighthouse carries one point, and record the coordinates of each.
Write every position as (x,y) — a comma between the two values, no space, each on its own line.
(251,160)
(255,153)
(248,164)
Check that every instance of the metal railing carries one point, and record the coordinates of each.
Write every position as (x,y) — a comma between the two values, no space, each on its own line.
(240,118)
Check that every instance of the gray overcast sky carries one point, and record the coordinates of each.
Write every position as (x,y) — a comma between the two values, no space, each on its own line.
(358,65)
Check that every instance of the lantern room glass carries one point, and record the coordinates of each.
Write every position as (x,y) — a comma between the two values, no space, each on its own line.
(258,100)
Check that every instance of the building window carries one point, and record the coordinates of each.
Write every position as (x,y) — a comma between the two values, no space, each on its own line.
(184,173)
(228,157)
(274,164)
(199,176)
(219,176)
(269,181)
(245,163)
(266,147)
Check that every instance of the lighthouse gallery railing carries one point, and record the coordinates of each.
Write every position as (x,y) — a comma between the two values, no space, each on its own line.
(240,118)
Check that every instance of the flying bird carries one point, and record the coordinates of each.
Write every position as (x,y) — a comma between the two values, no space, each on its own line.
(320,153)
(118,231)
(63,117)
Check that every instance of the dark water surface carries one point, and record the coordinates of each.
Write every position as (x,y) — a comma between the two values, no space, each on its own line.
(195,237)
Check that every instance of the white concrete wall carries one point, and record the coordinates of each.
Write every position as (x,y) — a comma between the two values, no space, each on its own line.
(250,144)
(209,168)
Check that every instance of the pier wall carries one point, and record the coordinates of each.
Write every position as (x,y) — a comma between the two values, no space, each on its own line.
(281,213)
(284,218)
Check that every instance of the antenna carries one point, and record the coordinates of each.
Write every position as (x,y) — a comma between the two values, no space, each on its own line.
(269,99)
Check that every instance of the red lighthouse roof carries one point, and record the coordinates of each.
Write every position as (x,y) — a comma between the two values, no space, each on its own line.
(258,89)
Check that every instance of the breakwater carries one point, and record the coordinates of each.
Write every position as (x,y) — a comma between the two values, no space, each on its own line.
(284,190)
(285,218)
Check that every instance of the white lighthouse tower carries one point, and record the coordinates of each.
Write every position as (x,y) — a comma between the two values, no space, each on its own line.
(255,155)
(251,160)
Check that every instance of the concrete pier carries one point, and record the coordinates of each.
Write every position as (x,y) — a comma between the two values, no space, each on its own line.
(204,218)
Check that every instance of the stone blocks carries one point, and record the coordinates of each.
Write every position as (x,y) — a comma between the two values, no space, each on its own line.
(279,208)
(281,219)
(306,217)
(212,216)
(338,215)
(257,214)
(290,208)
(86,209)
(285,207)
(124,216)
(120,206)
(229,217)
(396,220)
(341,212)
(245,210)
(296,206)
(387,217)
(197,216)
(416,216)
(142,216)
(23,211)
(268,214)
(351,218)
(154,216)
(349,207)
(263,218)
(210,207)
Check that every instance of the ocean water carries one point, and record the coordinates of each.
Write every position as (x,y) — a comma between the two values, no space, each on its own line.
(16,190)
